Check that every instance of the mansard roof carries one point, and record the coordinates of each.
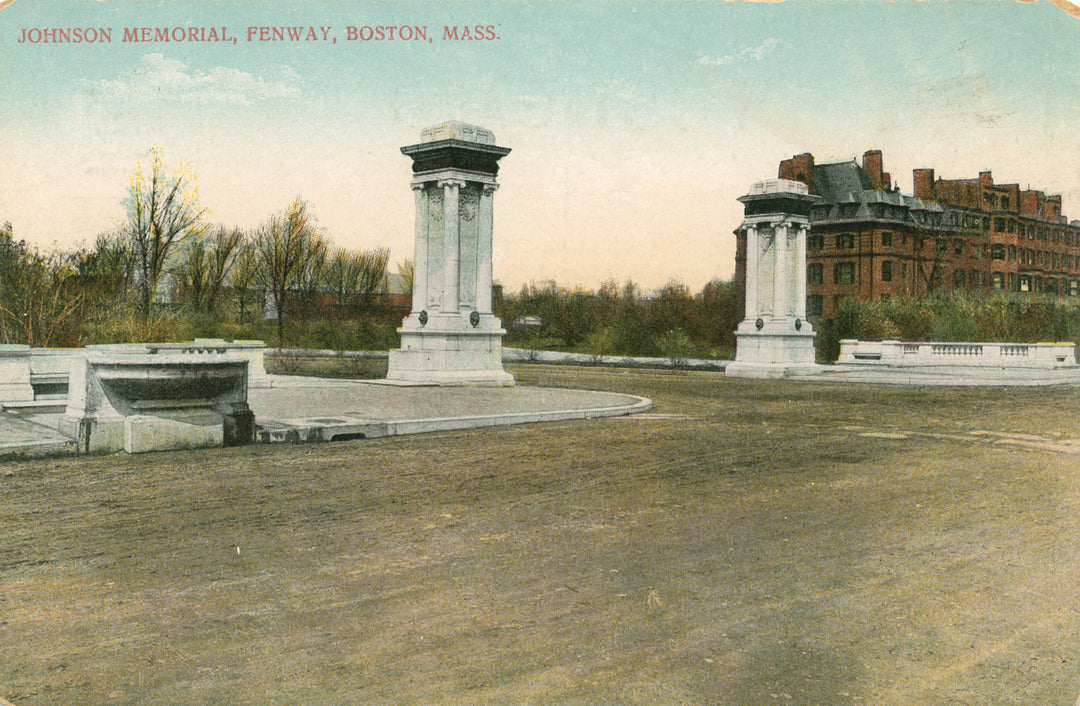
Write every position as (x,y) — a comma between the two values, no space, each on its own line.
(836,181)
(848,194)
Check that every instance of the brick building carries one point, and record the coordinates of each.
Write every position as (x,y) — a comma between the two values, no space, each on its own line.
(869,241)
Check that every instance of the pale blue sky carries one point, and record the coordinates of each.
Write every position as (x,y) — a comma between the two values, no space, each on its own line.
(634,125)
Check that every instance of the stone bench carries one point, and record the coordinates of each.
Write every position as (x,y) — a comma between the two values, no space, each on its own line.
(36,376)
(153,402)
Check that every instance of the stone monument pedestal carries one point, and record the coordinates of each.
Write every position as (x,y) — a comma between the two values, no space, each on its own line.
(774,351)
(775,339)
(449,350)
(451,336)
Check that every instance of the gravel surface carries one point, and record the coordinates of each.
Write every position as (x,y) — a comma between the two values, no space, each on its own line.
(747,542)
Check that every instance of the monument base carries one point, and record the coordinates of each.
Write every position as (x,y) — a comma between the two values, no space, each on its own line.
(777,349)
(449,350)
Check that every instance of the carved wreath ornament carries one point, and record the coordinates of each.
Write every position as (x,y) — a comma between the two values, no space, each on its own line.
(470,202)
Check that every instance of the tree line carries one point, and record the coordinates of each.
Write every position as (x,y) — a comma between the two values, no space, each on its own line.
(166,262)
(624,319)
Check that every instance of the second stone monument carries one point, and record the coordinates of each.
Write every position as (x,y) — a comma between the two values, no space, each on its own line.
(451,336)
(775,339)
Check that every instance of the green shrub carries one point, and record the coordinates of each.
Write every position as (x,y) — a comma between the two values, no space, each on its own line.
(676,346)
(601,342)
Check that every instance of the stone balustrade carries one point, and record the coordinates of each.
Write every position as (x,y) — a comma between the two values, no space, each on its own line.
(963,354)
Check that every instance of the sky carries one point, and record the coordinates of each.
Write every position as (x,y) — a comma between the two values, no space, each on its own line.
(634,126)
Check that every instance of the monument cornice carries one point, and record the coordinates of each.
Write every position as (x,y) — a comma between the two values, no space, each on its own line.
(436,175)
(777,219)
(455,154)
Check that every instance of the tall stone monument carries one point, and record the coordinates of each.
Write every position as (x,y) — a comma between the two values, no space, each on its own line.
(451,336)
(775,339)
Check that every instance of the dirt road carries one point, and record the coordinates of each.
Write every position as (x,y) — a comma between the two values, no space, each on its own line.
(748,542)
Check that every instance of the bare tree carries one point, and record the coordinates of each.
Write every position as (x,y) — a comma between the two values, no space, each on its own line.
(246,273)
(226,244)
(106,271)
(312,274)
(162,209)
(372,273)
(355,276)
(205,261)
(343,275)
(286,243)
(193,271)
(38,305)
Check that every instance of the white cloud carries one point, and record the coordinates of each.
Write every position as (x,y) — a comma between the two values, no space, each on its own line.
(749,53)
(160,78)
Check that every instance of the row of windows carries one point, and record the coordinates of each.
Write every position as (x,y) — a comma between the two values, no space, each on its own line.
(846,241)
(1035,283)
(1035,258)
(1002,203)
(1032,231)
(844,273)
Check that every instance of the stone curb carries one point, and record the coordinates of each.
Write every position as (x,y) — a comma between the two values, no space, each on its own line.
(347,428)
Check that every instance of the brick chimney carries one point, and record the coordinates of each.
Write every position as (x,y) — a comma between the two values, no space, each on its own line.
(873,164)
(799,168)
(1053,204)
(923,183)
(985,179)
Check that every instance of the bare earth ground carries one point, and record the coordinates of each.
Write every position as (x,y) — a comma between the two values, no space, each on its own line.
(748,542)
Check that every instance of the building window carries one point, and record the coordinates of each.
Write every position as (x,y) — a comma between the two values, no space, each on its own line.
(1012,253)
(886,271)
(958,278)
(975,279)
(815,305)
(886,239)
(845,241)
(958,247)
(815,242)
(844,273)
(1013,282)
(998,280)
(942,246)
(815,273)
(1074,288)
(997,252)
(1004,203)
(999,225)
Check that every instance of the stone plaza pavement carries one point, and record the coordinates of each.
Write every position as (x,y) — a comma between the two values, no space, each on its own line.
(298,409)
